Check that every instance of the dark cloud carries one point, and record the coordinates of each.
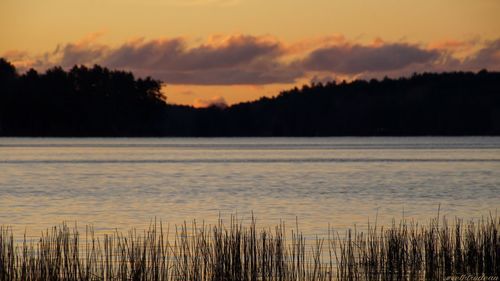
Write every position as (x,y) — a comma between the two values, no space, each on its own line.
(353,59)
(257,60)
(73,54)
(238,60)
(145,55)
(229,76)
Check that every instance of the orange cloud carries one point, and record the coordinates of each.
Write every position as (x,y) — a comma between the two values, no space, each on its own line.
(459,49)
(377,42)
(222,40)
(90,38)
(450,44)
(217,101)
(20,59)
(487,57)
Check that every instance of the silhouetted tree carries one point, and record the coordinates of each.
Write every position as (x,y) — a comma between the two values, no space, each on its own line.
(81,102)
(100,102)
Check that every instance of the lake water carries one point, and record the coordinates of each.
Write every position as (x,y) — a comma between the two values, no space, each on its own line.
(125,183)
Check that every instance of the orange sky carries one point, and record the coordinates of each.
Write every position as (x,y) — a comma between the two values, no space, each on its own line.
(238,50)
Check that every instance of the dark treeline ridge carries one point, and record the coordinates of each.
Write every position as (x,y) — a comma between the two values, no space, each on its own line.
(97,101)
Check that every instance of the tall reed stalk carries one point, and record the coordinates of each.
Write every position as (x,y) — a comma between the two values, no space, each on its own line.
(234,252)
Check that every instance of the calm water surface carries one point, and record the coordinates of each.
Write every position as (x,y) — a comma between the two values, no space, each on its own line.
(124,183)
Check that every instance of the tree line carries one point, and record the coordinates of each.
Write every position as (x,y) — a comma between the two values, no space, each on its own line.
(97,101)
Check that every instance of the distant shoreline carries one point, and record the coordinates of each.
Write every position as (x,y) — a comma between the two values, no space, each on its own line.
(98,102)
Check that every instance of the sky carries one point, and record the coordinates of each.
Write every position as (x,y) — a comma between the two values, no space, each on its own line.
(230,51)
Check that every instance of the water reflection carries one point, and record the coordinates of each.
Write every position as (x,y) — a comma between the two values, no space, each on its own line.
(125,183)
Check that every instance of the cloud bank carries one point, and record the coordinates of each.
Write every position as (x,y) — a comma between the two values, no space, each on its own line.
(355,59)
(259,60)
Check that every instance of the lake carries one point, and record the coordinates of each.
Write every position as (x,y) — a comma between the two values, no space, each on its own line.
(124,183)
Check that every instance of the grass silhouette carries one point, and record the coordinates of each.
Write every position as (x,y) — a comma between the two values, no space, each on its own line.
(403,251)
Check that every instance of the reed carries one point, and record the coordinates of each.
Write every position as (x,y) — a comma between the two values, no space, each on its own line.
(403,251)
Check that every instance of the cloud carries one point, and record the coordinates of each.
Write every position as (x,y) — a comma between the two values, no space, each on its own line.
(20,59)
(217,101)
(354,59)
(174,54)
(238,59)
(84,51)
(261,60)
(222,60)
(251,75)
(487,57)
(73,54)
(450,44)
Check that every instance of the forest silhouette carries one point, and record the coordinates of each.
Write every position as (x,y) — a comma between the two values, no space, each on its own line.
(96,101)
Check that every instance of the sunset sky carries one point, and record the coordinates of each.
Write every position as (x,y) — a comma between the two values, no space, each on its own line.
(239,50)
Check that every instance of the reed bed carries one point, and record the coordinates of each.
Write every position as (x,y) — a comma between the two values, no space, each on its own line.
(403,251)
